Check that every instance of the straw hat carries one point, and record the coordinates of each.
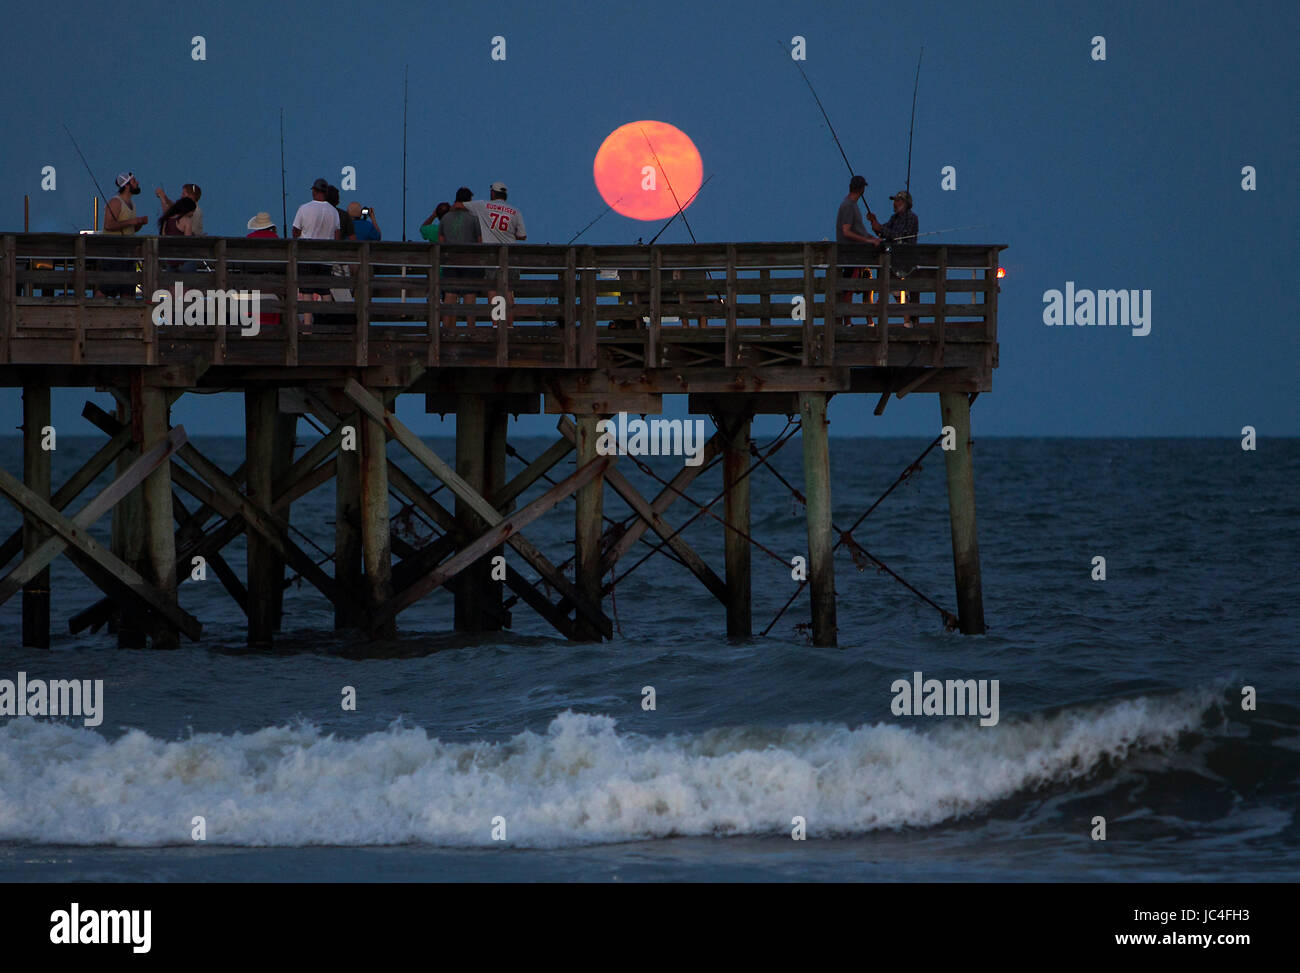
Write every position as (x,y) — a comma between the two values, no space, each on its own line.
(261,221)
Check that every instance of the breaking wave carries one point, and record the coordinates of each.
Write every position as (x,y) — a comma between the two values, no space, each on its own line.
(579,782)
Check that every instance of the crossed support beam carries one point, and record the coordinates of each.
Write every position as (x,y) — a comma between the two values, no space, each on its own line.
(105,569)
(588,609)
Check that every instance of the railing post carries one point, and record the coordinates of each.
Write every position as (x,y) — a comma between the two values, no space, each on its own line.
(656,308)
(882,350)
(570,310)
(79,284)
(223,279)
(361,296)
(503,291)
(150,260)
(289,318)
(433,298)
(940,304)
(765,298)
(729,353)
(832,316)
(991,307)
(587,338)
(9,299)
(809,281)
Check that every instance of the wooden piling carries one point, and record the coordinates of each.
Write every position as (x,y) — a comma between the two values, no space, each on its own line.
(735,464)
(588,527)
(128,531)
(817,488)
(471,435)
(494,478)
(36,475)
(286,427)
(261,407)
(347,522)
(955,408)
(376,547)
(156,508)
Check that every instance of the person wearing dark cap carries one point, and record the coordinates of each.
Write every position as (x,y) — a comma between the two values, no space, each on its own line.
(317,220)
(900,234)
(850,229)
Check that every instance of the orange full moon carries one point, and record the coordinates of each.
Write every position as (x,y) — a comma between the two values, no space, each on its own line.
(634,183)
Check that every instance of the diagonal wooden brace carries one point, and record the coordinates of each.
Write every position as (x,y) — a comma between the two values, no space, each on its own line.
(116,574)
(662,501)
(431,461)
(628,492)
(223,494)
(491,538)
(76,484)
(135,474)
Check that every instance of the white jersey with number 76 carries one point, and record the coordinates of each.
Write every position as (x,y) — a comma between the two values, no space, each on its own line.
(501,222)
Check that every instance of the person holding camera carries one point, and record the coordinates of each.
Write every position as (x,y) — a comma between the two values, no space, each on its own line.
(364,223)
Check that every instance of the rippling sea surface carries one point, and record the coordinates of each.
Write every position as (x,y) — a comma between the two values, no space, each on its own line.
(1120,699)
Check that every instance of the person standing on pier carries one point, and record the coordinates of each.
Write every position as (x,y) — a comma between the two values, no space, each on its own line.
(120,220)
(364,224)
(189,191)
(316,220)
(459,226)
(900,234)
(849,228)
(429,228)
(500,223)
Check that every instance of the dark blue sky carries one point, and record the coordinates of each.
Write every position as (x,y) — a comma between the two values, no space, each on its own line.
(1117,174)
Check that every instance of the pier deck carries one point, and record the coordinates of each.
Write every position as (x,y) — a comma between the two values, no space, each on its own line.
(591,331)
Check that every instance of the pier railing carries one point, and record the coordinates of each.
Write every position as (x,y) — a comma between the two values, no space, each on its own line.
(728,304)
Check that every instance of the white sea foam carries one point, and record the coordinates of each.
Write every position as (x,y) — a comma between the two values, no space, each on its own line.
(580,782)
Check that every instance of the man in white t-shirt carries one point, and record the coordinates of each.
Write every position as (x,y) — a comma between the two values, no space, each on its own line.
(317,220)
(501,223)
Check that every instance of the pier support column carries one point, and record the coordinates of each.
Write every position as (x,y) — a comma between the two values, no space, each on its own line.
(376,546)
(128,529)
(286,427)
(347,522)
(494,478)
(261,411)
(471,452)
(588,528)
(156,507)
(817,488)
(735,463)
(36,476)
(955,407)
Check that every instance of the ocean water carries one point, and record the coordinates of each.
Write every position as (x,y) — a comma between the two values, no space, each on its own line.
(1119,699)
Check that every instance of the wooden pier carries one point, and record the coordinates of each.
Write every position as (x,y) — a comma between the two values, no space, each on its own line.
(742,329)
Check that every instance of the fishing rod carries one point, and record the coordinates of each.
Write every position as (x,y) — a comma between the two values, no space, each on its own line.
(911,126)
(284,193)
(680,209)
(595,221)
(406,87)
(838,145)
(678,213)
(87,165)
